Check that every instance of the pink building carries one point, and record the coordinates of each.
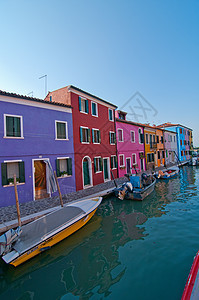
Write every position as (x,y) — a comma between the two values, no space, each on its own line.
(130,145)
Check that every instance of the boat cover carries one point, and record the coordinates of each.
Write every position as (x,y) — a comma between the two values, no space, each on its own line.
(34,232)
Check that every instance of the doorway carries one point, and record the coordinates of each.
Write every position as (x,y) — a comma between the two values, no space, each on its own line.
(87,173)
(106,168)
(40,186)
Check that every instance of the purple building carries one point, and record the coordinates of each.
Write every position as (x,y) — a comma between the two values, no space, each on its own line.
(35,136)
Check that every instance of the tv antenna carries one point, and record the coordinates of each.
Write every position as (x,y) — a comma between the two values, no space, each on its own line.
(44,76)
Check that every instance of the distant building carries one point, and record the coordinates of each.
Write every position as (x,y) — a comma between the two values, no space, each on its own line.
(150,146)
(184,139)
(34,133)
(94,135)
(160,152)
(130,145)
(171,149)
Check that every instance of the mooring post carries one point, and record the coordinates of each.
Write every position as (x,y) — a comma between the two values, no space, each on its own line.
(60,195)
(17,201)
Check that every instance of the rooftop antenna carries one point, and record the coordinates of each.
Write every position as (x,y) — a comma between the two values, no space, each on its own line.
(30,93)
(45,83)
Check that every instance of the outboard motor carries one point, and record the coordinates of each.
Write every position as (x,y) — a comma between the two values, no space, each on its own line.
(7,239)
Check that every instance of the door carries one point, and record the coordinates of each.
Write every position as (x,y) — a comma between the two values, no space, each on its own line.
(40,180)
(142,164)
(86,172)
(128,165)
(106,169)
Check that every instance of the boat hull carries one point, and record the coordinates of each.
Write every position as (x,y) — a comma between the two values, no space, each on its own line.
(191,290)
(139,196)
(52,240)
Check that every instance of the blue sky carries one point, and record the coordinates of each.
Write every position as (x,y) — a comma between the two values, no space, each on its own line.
(109,48)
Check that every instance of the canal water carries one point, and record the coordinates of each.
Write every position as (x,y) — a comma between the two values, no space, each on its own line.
(129,250)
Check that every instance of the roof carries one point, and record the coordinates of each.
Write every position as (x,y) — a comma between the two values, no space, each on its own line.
(129,122)
(14,95)
(93,96)
(168,124)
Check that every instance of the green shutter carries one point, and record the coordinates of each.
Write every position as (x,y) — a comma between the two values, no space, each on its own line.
(94,164)
(116,161)
(101,164)
(81,136)
(99,136)
(17,126)
(89,135)
(111,162)
(80,105)
(21,171)
(94,112)
(110,137)
(93,137)
(87,110)
(69,166)
(4,174)
(9,126)
(57,168)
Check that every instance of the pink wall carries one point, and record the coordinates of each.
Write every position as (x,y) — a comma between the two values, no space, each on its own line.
(127,147)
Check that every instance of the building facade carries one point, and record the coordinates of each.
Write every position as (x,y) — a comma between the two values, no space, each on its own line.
(94,135)
(130,145)
(160,151)
(150,146)
(171,149)
(183,140)
(35,136)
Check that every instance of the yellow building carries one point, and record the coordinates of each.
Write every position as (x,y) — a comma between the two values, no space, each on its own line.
(150,146)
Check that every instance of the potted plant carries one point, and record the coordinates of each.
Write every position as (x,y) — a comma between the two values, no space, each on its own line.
(11,180)
(63,173)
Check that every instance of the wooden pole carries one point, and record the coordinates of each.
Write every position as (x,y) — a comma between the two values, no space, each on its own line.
(60,196)
(17,201)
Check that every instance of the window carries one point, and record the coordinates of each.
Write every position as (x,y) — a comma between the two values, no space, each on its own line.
(134,159)
(153,139)
(94,109)
(97,164)
(132,136)
(113,162)
(181,153)
(85,135)
(174,138)
(147,138)
(170,138)
(61,130)
(13,126)
(162,139)
(121,160)
(163,154)
(181,142)
(83,105)
(9,169)
(181,130)
(120,135)
(141,136)
(158,154)
(150,157)
(64,166)
(96,137)
(112,137)
(157,137)
(110,114)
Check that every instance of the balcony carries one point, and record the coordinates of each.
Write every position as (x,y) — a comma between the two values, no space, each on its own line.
(153,146)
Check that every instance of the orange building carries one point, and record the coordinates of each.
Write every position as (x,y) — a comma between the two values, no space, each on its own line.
(160,152)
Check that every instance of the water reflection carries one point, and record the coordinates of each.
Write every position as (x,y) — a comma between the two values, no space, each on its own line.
(84,264)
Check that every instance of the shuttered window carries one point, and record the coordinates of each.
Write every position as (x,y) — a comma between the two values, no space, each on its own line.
(112,137)
(64,166)
(94,109)
(61,130)
(83,105)
(113,162)
(13,126)
(96,136)
(110,114)
(85,135)
(98,166)
(9,169)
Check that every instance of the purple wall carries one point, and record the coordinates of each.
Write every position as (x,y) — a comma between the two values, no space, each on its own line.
(39,141)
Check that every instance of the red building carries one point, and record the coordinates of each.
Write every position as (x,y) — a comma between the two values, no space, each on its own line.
(93,135)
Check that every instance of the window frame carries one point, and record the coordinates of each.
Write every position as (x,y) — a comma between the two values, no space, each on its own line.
(122,135)
(66,128)
(111,132)
(92,102)
(96,129)
(21,127)
(114,159)
(100,164)
(67,171)
(86,105)
(20,175)
(122,155)
(112,120)
(89,135)
(131,136)
(134,155)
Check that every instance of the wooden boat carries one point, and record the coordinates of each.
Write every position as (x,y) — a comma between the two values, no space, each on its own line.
(191,290)
(137,188)
(167,173)
(43,233)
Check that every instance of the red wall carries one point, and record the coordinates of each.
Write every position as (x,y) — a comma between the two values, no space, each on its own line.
(104,149)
